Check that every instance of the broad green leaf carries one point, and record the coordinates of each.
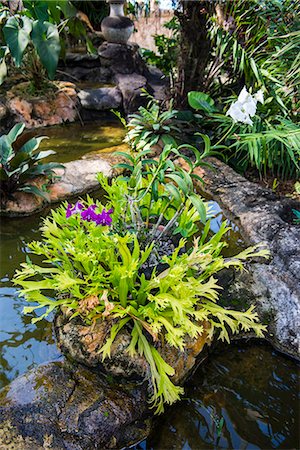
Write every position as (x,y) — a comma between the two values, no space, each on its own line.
(32,144)
(45,38)
(17,36)
(199,205)
(3,67)
(15,132)
(201,102)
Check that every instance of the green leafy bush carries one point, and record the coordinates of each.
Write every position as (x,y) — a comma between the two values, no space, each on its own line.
(157,194)
(82,259)
(19,167)
(36,36)
(151,125)
(34,42)
(269,144)
(167,48)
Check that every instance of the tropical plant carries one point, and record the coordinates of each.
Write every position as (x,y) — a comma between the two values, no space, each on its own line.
(35,37)
(151,125)
(157,196)
(167,48)
(32,42)
(256,43)
(18,168)
(297,216)
(84,258)
(270,144)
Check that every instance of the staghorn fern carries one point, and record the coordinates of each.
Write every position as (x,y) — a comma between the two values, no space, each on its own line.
(82,259)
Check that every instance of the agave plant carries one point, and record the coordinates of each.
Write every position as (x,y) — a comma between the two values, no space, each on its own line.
(19,167)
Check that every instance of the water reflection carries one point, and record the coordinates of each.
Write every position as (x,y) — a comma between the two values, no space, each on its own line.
(72,141)
(254,390)
(22,345)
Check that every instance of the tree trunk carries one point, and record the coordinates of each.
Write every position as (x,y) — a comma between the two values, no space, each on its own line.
(194,49)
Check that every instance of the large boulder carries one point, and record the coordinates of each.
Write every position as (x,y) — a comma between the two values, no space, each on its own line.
(60,106)
(63,407)
(121,58)
(100,99)
(131,87)
(81,342)
(76,178)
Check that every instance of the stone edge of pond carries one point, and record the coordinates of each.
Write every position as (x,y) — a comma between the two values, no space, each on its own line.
(75,179)
(273,285)
(60,405)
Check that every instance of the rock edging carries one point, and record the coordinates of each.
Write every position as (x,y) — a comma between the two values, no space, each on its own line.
(274,286)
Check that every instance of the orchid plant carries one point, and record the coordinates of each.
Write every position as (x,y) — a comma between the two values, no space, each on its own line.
(156,197)
(248,136)
(245,107)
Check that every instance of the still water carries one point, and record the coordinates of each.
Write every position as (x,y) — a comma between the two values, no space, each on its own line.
(243,397)
(71,141)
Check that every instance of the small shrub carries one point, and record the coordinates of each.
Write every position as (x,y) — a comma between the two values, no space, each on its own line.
(19,167)
(150,125)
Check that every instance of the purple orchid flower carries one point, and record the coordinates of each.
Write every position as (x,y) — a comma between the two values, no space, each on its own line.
(89,214)
(104,218)
(76,209)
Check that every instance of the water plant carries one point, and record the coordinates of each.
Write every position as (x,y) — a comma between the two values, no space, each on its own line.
(19,167)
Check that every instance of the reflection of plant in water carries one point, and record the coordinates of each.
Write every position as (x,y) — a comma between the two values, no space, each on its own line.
(297,214)
(25,337)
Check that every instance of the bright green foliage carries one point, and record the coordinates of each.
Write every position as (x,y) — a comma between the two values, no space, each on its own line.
(150,125)
(19,167)
(45,39)
(255,44)
(201,102)
(259,43)
(157,193)
(35,37)
(81,259)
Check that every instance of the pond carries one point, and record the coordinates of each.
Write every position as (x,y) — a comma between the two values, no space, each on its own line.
(252,389)
(72,141)
(243,397)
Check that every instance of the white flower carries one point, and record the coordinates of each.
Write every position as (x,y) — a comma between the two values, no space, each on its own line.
(238,113)
(245,107)
(259,96)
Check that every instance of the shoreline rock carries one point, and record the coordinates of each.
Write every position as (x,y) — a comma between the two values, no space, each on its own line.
(274,286)
(82,343)
(63,407)
(76,178)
